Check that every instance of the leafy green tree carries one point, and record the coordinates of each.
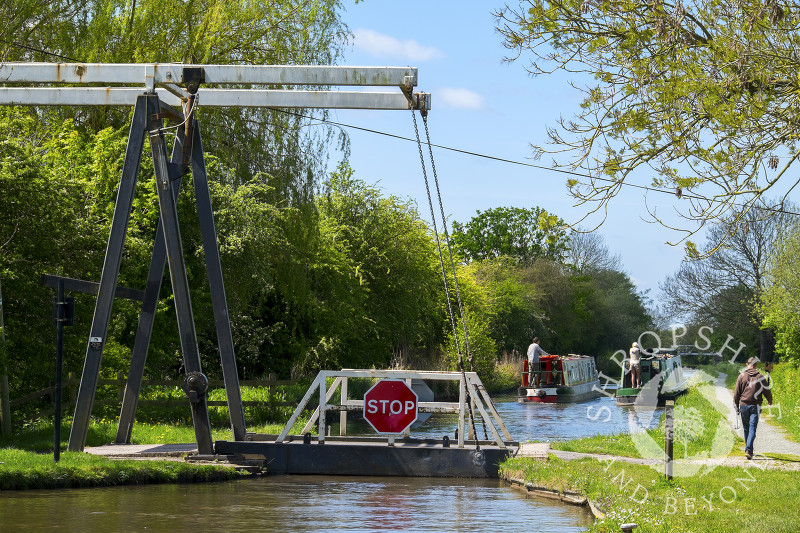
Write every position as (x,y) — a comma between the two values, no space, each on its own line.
(700,94)
(779,300)
(46,227)
(620,315)
(394,274)
(508,304)
(521,233)
(292,156)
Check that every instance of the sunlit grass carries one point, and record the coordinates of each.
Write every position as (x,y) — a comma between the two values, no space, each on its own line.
(725,499)
(786,399)
(20,469)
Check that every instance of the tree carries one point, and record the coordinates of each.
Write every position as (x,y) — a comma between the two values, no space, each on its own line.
(702,94)
(779,302)
(46,227)
(722,289)
(508,304)
(266,172)
(389,297)
(276,144)
(588,253)
(520,233)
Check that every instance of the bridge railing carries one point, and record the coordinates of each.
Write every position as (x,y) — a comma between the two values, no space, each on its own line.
(469,385)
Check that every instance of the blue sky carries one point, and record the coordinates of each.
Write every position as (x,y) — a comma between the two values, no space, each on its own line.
(481,104)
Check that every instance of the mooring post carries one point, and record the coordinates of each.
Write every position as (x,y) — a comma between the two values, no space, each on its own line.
(668,435)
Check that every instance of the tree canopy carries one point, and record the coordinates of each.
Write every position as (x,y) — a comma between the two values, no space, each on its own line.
(701,95)
(525,234)
(779,305)
(273,144)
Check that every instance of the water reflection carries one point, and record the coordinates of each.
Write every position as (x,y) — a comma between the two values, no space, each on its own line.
(293,503)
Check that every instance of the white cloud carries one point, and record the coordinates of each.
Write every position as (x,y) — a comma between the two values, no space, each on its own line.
(458,98)
(379,45)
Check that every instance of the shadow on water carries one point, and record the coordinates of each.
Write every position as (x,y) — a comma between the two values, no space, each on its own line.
(293,503)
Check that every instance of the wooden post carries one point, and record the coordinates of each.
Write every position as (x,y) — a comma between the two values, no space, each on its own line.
(669,418)
(5,400)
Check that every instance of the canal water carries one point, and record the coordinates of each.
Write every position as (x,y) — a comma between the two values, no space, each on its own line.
(327,504)
(537,421)
(292,503)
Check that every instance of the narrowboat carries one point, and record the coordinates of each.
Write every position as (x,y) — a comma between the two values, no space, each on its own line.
(662,379)
(562,379)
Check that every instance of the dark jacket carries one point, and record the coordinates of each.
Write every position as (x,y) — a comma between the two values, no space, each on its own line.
(750,388)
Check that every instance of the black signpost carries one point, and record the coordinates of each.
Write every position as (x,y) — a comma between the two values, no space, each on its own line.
(63,315)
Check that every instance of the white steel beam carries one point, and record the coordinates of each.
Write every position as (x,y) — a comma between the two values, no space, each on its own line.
(150,74)
(126,96)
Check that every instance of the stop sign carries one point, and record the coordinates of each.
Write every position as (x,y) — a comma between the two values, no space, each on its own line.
(390,406)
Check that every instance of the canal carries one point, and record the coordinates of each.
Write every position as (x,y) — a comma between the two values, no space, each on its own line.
(536,421)
(322,504)
(292,503)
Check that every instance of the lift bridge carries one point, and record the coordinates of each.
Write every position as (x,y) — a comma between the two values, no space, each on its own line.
(160,92)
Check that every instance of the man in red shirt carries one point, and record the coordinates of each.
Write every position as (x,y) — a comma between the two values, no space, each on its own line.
(751,388)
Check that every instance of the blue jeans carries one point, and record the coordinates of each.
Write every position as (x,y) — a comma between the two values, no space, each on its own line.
(749,423)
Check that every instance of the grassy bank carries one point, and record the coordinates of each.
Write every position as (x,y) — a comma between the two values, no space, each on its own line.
(38,437)
(26,458)
(20,469)
(725,499)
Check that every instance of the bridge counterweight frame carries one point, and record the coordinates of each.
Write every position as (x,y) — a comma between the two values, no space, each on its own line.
(151,88)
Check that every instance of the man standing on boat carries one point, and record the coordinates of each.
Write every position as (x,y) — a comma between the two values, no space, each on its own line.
(534,351)
(751,387)
(635,354)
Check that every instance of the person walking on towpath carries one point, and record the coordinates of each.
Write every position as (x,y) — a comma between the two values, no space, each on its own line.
(534,351)
(751,388)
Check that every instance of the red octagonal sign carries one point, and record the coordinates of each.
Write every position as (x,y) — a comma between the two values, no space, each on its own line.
(390,406)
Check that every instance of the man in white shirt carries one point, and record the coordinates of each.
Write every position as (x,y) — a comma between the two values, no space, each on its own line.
(636,366)
(534,351)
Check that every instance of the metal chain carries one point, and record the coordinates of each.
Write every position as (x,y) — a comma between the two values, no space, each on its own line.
(444,272)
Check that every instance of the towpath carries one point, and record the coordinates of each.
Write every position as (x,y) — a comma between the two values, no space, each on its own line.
(770,440)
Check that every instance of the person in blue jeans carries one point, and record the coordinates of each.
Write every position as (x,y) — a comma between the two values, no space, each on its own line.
(751,388)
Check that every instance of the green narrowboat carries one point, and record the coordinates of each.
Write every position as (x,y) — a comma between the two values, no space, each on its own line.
(662,379)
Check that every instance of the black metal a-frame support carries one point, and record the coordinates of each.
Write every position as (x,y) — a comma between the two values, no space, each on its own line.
(187,153)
